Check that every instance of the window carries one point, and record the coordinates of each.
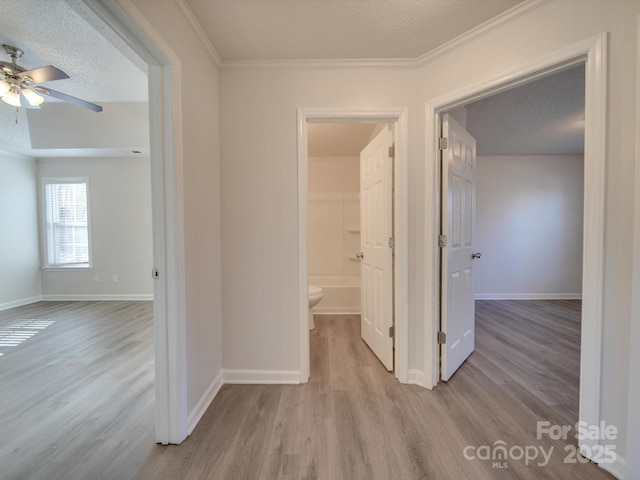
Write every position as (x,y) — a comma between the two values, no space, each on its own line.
(66,210)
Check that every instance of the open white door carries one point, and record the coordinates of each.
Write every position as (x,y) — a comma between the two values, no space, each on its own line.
(458,224)
(376,221)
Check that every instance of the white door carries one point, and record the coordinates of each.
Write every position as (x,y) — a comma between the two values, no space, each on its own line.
(458,223)
(376,222)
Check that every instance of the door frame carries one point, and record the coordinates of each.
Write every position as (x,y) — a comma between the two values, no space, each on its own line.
(633,414)
(592,52)
(397,116)
(166,163)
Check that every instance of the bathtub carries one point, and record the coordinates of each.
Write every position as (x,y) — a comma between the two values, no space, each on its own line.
(341,293)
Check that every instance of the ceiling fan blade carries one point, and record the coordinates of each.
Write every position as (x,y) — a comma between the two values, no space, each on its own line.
(68,98)
(44,74)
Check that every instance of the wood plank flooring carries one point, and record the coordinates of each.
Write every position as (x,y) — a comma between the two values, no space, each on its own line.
(354,421)
(77,403)
(76,398)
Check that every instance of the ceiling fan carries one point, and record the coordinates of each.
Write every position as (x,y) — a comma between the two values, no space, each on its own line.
(18,86)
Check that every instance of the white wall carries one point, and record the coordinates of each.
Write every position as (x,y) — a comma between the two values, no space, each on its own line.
(529,226)
(19,252)
(260,200)
(121,230)
(197,151)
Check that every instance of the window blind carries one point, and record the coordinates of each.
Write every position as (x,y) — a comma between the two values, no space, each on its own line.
(67,223)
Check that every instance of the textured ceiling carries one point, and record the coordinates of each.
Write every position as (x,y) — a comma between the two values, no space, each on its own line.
(338,139)
(63,34)
(67,34)
(338,29)
(545,117)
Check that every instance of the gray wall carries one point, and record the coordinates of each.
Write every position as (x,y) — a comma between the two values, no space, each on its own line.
(529,227)
(19,252)
(121,230)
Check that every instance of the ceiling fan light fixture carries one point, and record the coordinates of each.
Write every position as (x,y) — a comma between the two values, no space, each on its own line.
(12,98)
(4,87)
(16,82)
(32,97)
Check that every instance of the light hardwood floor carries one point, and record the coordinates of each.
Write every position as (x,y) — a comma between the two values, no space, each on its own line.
(76,398)
(351,421)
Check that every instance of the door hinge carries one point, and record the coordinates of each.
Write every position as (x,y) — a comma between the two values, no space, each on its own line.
(392,331)
(392,242)
(442,241)
(443,143)
(155,273)
(392,151)
(442,338)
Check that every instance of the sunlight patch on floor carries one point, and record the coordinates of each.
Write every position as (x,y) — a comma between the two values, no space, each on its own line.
(17,332)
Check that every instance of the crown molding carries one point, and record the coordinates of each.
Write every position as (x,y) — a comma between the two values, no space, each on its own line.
(19,156)
(323,64)
(475,33)
(483,29)
(188,14)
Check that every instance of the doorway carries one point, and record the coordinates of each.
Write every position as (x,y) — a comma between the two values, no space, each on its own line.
(396,117)
(525,187)
(527,280)
(350,222)
(592,54)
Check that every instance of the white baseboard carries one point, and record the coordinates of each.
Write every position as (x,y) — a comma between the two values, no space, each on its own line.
(123,297)
(528,296)
(20,303)
(415,377)
(198,411)
(261,376)
(335,312)
(618,468)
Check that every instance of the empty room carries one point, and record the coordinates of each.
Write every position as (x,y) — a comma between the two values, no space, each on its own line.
(168,332)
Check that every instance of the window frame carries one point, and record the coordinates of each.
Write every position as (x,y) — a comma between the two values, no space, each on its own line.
(44,230)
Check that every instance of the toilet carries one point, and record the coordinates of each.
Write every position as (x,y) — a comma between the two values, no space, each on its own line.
(315,295)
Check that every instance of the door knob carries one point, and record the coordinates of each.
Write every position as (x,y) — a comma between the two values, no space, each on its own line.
(476,255)
(360,255)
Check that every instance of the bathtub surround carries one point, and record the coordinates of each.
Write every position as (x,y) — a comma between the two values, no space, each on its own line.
(334,232)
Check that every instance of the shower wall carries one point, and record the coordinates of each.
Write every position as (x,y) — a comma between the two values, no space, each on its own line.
(334,232)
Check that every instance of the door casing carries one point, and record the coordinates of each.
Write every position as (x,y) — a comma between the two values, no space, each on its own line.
(165,76)
(591,52)
(397,116)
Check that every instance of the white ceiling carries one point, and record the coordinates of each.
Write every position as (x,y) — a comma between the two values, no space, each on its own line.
(338,29)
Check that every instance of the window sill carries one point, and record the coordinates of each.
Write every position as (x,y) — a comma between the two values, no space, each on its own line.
(67,268)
